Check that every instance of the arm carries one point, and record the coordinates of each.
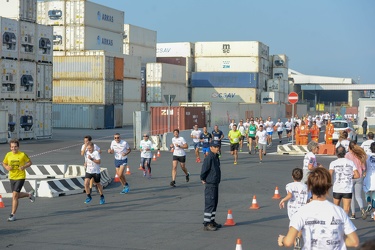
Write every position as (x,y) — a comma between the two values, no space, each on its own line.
(184,146)
(127,152)
(83,149)
(355,174)
(351,240)
(289,239)
(6,166)
(286,198)
(97,161)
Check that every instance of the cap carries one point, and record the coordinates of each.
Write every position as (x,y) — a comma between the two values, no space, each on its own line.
(215,144)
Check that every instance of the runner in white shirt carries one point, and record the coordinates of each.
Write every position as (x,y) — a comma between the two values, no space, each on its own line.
(242,130)
(269,129)
(366,144)
(369,182)
(288,128)
(319,123)
(231,124)
(309,160)
(145,146)
(86,140)
(261,142)
(246,124)
(196,135)
(178,145)
(280,128)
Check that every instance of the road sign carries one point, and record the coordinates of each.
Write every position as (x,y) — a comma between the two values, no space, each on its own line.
(293,97)
(169,99)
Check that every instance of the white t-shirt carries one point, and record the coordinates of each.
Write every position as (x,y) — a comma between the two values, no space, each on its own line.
(178,151)
(344,143)
(92,167)
(196,135)
(342,175)
(144,145)
(299,197)
(96,148)
(369,180)
(279,126)
(288,125)
(309,158)
(366,146)
(323,224)
(319,123)
(242,129)
(269,126)
(246,125)
(119,149)
(262,137)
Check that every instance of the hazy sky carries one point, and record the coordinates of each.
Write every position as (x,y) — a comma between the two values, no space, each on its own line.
(320,37)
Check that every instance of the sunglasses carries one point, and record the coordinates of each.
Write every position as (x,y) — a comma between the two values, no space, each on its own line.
(117,137)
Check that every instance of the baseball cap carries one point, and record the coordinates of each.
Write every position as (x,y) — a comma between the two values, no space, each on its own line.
(214,144)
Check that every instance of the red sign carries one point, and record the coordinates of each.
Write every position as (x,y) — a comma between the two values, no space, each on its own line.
(293,97)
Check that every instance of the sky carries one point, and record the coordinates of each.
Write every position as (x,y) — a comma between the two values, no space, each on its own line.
(327,38)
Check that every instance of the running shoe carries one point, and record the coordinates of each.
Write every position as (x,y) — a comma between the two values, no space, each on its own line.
(235,163)
(144,173)
(352,217)
(187,177)
(199,160)
(12,217)
(32,195)
(126,189)
(368,208)
(260,161)
(372,215)
(149,176)
(88,200)
(102,200)
(249,152)
(241,150)
(173,184)
(363,214)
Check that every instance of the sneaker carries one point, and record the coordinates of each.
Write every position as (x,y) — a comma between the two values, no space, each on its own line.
(241,150)
(88,199)
(280,141)
(235,163)
(102,200)
(363,214)
(368,208)
(264,153)
(144,173)
(126,189)
(260,161)
(187,177)
(297,246)
(199,160)
(249,152)
(217,225)
(12,217)
(209,227)
(173,184)
(32,195)
(352,217)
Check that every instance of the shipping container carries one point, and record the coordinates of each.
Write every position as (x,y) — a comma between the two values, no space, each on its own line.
(147,54)
(289,109)
(132,90)
(44,43)
(273,97)
(118,92)
(52,13)
(118,109)
(10,38)
(232,64)
(59,38)
(280,61)
(89,38)
(82,116)
(24,10)
(44,81)
(128,109)
(224,80)
(139,36)
(277,85)
(119,68)
(90,53)
(232,49)
(239,95)
(182,118)
(81,67)
(162,72)
(27,80)
(183,49)
(3,126)
(83,91)
(132,67)
(281,73)
(27,44)
(43,120)
(182,61)
(262,82)
(156,91)
(9,79)
(59,53)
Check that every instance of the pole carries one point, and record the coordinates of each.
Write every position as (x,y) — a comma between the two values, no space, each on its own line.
(292,123)
(169,113)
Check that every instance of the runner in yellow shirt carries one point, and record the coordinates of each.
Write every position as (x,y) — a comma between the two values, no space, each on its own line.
(235,137)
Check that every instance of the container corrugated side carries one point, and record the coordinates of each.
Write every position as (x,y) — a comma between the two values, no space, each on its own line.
(128,109)
(25,10)
(118,94)
(188,62)
(139,36)
(280,61)
(132,66)
(85,13)
(132,90)
(118,115)
(163,72)
(83,91)
(44,81)
(52,13)
(182,118)
(9,79)
(238,95)
(231,49)
(183,49)
(147,54)
(118,68)
(44,43)
(231,64)
(155,92)
(27,77)
(43,120)
(3,126)
(27,38)
(10,38)
(224,79)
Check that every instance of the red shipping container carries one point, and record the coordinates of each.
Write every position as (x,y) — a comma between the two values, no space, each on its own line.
(172,60)
(119,69)
(183,118)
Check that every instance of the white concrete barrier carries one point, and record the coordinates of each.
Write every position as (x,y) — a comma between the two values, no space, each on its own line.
(45,171)
(75,171)
(60,187)
(289,149)
(6,191)
(105,178)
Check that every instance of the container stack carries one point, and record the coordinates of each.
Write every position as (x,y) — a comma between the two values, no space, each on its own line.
(230,71)
(26,68)
(178,54)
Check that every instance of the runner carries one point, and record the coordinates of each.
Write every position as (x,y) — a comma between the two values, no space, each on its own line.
(234,137)
(242,130)
(205,139)
(261,141)
(269,129)
(145,146)
(217,135)
(251,135)
(280,128)
(86,140)
(196,134)
(288,127)
(179,156)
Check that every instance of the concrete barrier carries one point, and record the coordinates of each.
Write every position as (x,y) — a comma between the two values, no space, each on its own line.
(6,191)
(3,173)
(45,171)
(60,187)
(75,171)
(289,149)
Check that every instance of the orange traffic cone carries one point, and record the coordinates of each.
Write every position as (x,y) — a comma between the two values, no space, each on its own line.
(128,170)
(158,154)
(140,166)
(276,196)
(254,204)
(230,221)
(1,202)
(154,158)
(117,179)
(239,244)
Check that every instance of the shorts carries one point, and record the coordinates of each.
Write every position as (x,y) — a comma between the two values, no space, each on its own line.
(181,159)
(234,146)
(119,163)
(288,131)
(145,160)
(243,137)
(262,147)
(16,185)
(197,145)
(95,176)
(340,196)
(279,132)
(252,138)
(205,150)
(270,132)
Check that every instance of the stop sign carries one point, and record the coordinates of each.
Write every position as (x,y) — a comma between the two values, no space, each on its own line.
(293,97)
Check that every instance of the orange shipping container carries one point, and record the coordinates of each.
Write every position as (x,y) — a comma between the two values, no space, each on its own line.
(183,118)
(288,110)
(119,69)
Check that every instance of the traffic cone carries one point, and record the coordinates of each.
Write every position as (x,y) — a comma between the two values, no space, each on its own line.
(140,166)
(276,196)
(239,244)
(128,170)
(254,204)
(117,179)
(1,202)
(158,155)
(230,221)
(154,158)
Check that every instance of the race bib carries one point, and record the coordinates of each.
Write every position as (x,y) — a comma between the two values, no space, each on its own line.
(252,132)
(235,140)
(216,138)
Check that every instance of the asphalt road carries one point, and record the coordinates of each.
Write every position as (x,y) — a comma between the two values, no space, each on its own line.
(154,215)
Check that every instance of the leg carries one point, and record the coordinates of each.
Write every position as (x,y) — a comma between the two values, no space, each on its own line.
(209,205)
(336,201)
(87,185)
(120,174)
(346,204)
(216,200)
(183,167)
(91,182)
(260,153)
(174,170)
(235,155)
(15,197)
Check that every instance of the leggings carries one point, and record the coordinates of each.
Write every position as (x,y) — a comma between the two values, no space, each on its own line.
(357,193)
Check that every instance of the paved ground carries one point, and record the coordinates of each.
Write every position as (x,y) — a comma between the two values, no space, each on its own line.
(154,215)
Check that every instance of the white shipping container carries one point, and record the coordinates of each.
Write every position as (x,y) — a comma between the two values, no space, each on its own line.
(9,79)
(44,43)
(132,66)
(83,91)
(132,90)
(59,53)
(280,61)
(89,38)
(43,120)
(272,97)
(44,81)
(147,54)
(27,80)
(278,85)
(24,10)
(232,49)
(52,13)
(239,95)
(128,109)
(155,91)
(281,73)
(232,64)
(59,38)
(3,126)
(163,72)
(183,49)
(139,36)
(10,38)
(85,13)
(262,81)
(83,67)
(27,44)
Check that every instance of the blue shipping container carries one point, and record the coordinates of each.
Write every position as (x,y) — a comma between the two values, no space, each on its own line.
(224,80)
